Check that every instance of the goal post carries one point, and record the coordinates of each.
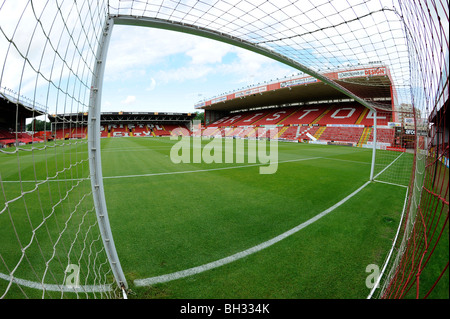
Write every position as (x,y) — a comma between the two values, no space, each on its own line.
(374,146)
(94,151)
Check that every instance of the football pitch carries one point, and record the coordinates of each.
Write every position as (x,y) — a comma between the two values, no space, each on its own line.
(223,230)
(168,218)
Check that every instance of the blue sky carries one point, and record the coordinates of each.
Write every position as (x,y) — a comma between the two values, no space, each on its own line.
(166,71)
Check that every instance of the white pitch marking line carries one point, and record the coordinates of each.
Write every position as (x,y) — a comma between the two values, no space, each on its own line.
(52,287)
(188,172)
(169,173)
(242,254)
(210,169)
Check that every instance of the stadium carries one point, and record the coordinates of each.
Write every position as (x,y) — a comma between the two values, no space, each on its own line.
(331,183)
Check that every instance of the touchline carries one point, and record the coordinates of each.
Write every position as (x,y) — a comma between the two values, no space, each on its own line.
(227,150)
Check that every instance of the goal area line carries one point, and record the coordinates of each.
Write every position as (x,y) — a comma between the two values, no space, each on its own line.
(394,242)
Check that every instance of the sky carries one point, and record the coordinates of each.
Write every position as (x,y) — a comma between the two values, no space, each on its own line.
(153,70)
(166,71)
(147,69)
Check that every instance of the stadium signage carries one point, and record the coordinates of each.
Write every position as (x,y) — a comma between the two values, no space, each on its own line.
(368,72)
(396,149)
(200,104)
(377,71)
(219,99)
(363,72)
(295,82)
(345,125)
(251,91)
(340,143)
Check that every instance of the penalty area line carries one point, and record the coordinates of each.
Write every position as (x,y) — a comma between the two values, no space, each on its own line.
(210,169)
(164,173)
(242,254)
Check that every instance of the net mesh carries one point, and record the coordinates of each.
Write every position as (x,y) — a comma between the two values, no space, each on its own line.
(48,50)
(50,242)
(395,148)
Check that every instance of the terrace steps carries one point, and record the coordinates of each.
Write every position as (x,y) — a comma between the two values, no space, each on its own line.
(319,132)
(280,132)
(364,136)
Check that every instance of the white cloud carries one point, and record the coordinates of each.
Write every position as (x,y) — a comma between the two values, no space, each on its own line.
(184,73)
(135,48)
(152,85)
(129,100)
(207,51)
(132,50)
(252,68)
(152,64)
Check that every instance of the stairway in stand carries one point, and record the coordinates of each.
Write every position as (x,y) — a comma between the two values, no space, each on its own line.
(364,136)
(320,132)
(280,132)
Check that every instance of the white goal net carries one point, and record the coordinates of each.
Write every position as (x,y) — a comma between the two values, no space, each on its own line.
(50,243)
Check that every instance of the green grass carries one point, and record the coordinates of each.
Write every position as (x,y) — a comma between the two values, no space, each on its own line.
(191,219)
(167,217)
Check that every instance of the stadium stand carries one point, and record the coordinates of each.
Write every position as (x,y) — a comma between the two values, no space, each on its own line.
(340,115)
(119,130)
(121,124)
(160,130)
(306,110)
(13,123)
(337,122)
(8,138)
(343,134)
(140,130)
(104,131)
(79,132)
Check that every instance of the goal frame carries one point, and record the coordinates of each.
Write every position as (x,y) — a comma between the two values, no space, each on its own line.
(94,147)
(94,151)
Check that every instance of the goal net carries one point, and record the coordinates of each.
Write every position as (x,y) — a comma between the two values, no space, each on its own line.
(55,237)
(394,144)
(50,243)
